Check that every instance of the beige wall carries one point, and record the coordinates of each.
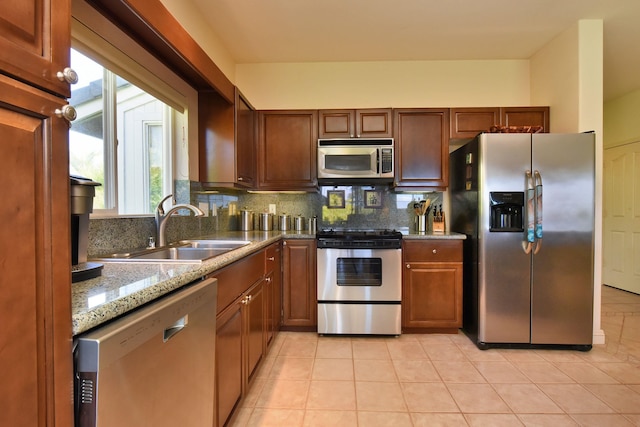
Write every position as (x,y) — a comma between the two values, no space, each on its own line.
(385,84)
(621,124)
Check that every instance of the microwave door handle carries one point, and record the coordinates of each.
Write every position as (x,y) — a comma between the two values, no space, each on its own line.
(378,161)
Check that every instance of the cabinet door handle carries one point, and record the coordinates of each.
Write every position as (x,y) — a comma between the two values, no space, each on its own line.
(68,75)
(244,301)
(67,112)
(435,251)
(268,279)
(408,265)
(271,258)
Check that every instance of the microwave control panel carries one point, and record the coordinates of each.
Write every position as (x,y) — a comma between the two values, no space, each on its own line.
(387,160)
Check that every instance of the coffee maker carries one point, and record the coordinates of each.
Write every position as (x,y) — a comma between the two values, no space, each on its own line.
(82,194)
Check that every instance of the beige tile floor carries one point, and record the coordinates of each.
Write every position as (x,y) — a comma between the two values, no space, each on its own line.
(444,380)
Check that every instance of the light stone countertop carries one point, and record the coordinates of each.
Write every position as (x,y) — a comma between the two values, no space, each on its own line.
(125,286)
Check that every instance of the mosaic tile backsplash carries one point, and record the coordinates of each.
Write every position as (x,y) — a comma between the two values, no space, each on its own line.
(363,207)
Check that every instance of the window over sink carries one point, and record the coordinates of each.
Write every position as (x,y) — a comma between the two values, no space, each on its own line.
(132,129)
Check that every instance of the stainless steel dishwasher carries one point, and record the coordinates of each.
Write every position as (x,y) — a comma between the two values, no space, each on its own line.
(153,367)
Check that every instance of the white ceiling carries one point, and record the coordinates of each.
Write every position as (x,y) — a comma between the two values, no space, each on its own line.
(257,31)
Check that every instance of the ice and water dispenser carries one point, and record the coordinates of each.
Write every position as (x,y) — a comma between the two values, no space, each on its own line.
(507,211)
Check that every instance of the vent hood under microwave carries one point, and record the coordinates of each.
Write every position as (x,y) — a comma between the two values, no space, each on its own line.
(358,161)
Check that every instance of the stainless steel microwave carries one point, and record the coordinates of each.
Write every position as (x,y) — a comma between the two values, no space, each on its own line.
(355,161)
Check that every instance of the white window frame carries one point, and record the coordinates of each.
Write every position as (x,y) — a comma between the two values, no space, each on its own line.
(98,38)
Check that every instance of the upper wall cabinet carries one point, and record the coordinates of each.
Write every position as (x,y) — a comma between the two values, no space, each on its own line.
(226,141)
(422,148)
(468,122)
(366,123)
(287,143)
(525,116)
(34,43)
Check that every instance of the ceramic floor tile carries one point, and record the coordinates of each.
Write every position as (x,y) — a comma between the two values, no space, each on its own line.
(458,372)
(255,388)
(333,369)
(436,338)
(379,396)
(500,372)
(283,394)
(384,419)
(444,351)
(625,373)
(374,370)
(585,373)
(298,348)
(263,417)
(415,371)
(492,420)
(292,368)
(542,372)
(547,420)
(324,418)
(241,417)
(335,395)
(575,399)
(334,348)
(633,418)
(526,398)
(600,420)
(620,397)
(370,350)
(521,355)
(477,398)
(428,397)
(406,350)
(474,354)
(439,420)
(559,355)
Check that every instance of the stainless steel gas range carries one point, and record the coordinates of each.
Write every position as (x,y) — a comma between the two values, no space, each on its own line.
(359,282)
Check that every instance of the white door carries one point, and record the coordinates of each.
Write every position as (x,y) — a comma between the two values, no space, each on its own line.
(621,216)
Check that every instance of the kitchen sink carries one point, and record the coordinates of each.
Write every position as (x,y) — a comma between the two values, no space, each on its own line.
(185,251)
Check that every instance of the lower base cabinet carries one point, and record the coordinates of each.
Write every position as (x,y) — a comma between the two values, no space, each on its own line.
(432,286)
(299,295)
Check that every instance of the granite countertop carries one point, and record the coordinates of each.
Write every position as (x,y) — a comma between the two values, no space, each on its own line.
(124,286)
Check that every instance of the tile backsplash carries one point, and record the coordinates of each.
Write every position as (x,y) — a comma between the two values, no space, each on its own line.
(335,207)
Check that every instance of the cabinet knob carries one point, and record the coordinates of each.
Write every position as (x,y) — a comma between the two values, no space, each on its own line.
(244,301)
(67,112)
(435,251)
(239,178)
(268,279)
(271,258)
(408,265)
(68,75)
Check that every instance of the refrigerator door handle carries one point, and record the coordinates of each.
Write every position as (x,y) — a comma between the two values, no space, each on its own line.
(531,215)
(538,211)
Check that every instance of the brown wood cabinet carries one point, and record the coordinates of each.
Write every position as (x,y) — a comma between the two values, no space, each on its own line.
(34,42)
(364,123)
(287,143)
(240,327)
(468,122)
(299,296)
(422,148)
(226,134)
(525,116)
(35,248)
(432,286)
(273,287)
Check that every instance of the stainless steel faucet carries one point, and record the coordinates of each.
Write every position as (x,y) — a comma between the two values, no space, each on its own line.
(162,217)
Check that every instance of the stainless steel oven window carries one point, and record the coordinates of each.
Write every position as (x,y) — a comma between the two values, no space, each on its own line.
(359,271)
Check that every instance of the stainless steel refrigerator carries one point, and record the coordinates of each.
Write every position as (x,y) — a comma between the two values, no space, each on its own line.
(526,204)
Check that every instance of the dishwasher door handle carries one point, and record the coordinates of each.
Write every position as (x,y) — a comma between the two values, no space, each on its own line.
(172,330)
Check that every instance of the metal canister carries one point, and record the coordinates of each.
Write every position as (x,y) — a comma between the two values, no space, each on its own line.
(313,225)
(284,222)
(246,220)
(265,220)
(298,223)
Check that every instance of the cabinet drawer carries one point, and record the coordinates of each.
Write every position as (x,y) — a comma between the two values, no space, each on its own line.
(237,278)
(432,251)
(273,258)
